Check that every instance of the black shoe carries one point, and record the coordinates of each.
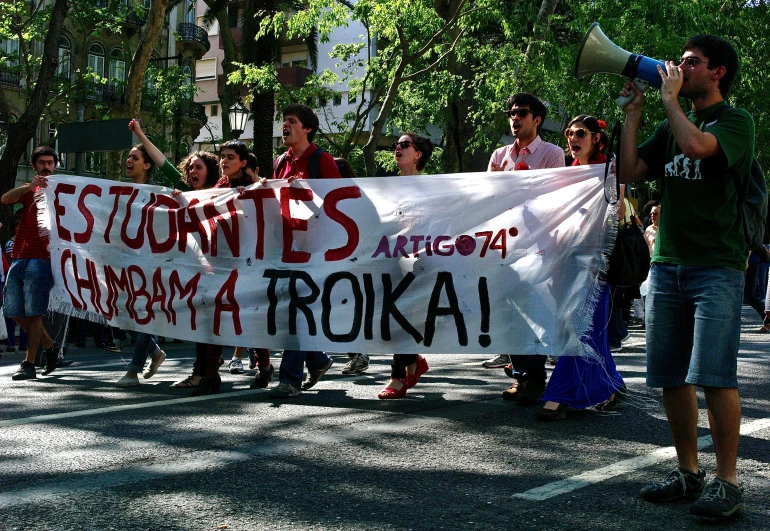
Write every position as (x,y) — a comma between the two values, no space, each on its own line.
(208,385)
(253,359)
(25,372)
(51,356)
(553,414)
(263,378)
(720,499)
(314,376)
(679,485)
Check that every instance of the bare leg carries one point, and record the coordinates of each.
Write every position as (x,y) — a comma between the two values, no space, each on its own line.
(36,335)
(238,352)
(724,407)
(682,414)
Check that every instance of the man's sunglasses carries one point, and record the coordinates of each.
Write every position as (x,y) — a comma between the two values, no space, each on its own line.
(580,133)
(403,144)
(692,61)
(521,113)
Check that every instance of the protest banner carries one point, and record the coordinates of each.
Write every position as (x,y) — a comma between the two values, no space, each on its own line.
(468,263)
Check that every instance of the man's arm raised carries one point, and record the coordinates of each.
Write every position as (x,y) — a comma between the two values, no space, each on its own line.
(632,168)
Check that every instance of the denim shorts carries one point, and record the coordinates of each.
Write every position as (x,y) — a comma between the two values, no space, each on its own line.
(693,325)
(27,287)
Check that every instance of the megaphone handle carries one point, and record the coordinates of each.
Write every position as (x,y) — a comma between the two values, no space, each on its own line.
(642,85)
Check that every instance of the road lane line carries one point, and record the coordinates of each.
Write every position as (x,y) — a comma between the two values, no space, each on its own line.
(591,477)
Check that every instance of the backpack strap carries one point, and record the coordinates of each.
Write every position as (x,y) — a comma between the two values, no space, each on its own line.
(314,163)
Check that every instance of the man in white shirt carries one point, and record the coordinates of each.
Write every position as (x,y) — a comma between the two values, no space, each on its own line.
(526,114)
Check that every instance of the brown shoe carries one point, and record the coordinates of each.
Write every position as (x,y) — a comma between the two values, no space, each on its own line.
(525,391)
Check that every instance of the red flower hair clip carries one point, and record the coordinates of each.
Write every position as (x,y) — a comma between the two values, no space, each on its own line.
(521,166)
(602,124)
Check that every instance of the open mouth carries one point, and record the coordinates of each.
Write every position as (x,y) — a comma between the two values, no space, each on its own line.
(286,132)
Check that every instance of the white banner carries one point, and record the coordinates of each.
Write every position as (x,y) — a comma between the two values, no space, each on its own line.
(467,263)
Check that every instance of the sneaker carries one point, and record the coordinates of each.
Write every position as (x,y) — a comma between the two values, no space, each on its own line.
(51,357)
(524,390)
(263,378)
(314,376)
(253,358)
(679,485)
(720,499)
(508,370)
(109,346)
(25,372)
(498,362)
(626,338)
(357,364)
(9,349)
(236,366)
(285,390)
(616,348)
(127,381)
(155,364)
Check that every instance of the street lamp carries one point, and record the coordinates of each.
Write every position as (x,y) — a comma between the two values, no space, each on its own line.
(238,116)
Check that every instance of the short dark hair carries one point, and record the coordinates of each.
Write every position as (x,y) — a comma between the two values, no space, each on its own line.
(537,107)
(424,146)
(594,127)
(212,167)
(146,157)
(236,145)
(251,162)
(44,151)
(719,53)
(346,170)
(306,117)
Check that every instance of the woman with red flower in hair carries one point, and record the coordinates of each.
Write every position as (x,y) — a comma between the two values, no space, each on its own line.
(578,382)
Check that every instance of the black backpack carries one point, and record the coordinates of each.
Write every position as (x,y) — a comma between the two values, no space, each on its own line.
(752,200)
(313,163)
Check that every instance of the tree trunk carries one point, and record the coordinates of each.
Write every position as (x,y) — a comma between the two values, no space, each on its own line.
(23,130)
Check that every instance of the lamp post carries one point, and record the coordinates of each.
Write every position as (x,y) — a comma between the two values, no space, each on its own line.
(238,116)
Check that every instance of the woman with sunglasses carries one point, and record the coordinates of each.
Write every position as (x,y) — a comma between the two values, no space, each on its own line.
(412,152)
(577,382)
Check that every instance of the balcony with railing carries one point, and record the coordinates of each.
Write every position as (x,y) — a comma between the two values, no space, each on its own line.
(108,93)
(130,17)
(194,37)
(8,79)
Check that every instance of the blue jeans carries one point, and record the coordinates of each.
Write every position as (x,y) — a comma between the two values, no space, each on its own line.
(693,325)
(292,363)
(27,287)
(143,347)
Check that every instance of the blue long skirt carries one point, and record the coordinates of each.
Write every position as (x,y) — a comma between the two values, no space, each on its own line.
(582,382)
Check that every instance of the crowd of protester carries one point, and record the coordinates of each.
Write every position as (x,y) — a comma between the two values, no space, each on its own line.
(684,348)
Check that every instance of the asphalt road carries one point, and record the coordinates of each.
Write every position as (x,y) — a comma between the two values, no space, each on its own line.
(78,453)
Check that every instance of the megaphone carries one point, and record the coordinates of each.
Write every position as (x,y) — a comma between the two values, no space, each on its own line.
(599,55)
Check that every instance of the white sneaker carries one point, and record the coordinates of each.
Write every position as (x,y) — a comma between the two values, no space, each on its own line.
(127,381)
(285,390)
(627,338)
(155,363)
(498,362)
(236,366)
(356,365)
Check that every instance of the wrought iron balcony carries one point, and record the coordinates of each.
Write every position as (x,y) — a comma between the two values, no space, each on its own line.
(192,35)
(10,80)
(104,93)
(192,110)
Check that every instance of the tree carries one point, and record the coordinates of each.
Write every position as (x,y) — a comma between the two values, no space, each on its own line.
(20,20)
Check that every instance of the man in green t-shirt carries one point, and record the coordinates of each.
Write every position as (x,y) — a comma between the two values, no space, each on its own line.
(696,281)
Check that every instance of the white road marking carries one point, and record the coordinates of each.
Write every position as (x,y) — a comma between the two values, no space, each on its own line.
(623,467)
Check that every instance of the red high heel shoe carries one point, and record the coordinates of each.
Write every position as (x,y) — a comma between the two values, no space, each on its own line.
(422,368)
(388,393)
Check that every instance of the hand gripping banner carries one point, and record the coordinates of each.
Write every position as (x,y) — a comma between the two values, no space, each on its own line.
(468,263)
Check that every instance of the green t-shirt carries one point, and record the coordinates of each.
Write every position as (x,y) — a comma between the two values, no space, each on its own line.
(169,171)
(700,219)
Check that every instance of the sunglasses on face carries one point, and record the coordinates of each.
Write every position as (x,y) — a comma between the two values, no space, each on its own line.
(402,144)
(521,113)
(580,133)
(691,61)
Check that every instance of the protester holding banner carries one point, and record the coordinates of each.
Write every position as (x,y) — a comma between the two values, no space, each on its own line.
(694,298)
(590,378)
(526,114)
(139,168)
(302,161)
(29,277)
(412,153)
(200,170)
